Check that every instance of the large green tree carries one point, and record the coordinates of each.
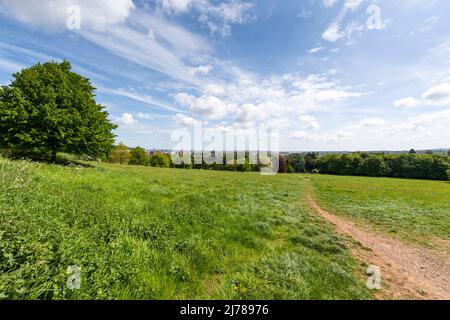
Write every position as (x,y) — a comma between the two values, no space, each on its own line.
(48,109)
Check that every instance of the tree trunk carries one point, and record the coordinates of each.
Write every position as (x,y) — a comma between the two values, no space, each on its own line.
(53,157)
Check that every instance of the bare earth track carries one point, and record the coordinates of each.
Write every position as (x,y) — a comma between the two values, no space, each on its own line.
(410,272)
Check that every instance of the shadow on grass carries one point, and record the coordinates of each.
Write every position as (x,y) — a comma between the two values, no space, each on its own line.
(61,160)
(70,163)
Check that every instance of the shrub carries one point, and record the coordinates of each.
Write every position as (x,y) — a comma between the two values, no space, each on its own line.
(139,157)
(160,160)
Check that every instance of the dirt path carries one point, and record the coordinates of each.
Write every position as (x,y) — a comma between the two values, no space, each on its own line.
(408,272)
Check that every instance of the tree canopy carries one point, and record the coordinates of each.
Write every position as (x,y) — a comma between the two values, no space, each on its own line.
(48,109)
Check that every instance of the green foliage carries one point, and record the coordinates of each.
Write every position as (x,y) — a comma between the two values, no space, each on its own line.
(310,159)
(290,169)
(297,162)
(150,233)
(139,157)
(160,160)
(244,167)
(49,109)
(120,154)
(413,166)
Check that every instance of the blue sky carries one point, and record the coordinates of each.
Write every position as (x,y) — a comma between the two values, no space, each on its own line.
(326,74)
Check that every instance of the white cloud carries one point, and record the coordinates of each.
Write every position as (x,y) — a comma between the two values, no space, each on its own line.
(310,121)
(300,135)
(214,89)
(53,14)
(250,114)
(176,6)
(143,98)
(373,122)
(248,102)
(424,131)
(126,120)
(138,48)
(352,4)
(204,70)
(406,102)
(10,66)
(438,95)
(316,50)
(218,17)
(333,32)
(145,116)
(329,3)
(153,42)
(183,120)
(209,107)
(429,24)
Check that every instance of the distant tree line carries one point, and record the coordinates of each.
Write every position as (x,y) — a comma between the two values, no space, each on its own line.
(412,166)
(139,156)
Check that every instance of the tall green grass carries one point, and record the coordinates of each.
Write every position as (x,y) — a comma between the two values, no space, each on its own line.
(413,210)
(146,233)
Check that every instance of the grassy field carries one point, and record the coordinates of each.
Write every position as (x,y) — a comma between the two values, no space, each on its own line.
(145,233)
(413,210)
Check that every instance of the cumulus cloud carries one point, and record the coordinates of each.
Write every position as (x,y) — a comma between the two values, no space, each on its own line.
(423,131)
(145,116)
(203,70)
(54,14)
(436,96)
(332,33)
(209,107)
(183,120)
(310,122)
(406,102)
(250,102)
(126,121)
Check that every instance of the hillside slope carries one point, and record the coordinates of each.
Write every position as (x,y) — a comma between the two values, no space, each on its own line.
(145,233)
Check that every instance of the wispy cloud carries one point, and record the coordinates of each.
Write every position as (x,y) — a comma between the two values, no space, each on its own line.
(10,66)
(333,32)
(143,98)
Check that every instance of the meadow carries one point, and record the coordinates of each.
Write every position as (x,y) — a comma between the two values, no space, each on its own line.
(148,233)
(416,211)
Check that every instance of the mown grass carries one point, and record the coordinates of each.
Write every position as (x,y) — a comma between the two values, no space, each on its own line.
(414,210)
(147,233)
